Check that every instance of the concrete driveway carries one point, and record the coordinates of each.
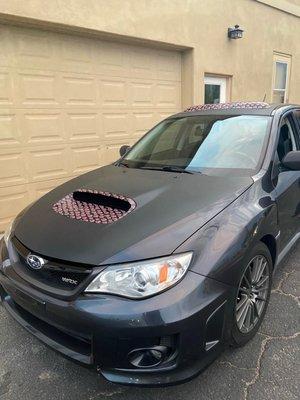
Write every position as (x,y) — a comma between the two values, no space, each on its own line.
(267,368)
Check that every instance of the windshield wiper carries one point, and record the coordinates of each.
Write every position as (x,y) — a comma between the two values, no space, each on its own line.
(173,168)
(151,168)
(168,168)
(122,164)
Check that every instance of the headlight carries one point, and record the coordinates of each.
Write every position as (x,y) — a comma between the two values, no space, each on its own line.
(141,279)
(7,233)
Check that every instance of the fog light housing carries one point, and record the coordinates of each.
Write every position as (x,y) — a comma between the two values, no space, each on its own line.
(148,357)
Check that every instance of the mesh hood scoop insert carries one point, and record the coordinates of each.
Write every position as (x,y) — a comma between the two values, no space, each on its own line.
(93,206)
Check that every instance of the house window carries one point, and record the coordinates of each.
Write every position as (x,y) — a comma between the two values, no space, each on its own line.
(215,89)
(281,73)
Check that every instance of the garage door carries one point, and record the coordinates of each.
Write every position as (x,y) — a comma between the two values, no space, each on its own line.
(67,104)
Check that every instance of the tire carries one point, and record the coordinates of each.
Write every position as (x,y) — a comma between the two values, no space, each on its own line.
(252,295)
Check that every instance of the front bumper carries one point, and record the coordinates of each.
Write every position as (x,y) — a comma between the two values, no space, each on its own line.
(101,330)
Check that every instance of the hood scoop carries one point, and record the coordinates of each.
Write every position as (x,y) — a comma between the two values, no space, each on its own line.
(93,206)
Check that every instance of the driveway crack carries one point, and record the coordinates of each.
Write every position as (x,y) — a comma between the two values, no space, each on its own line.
(264,344)
(284,278)
(282,293)
(235,366)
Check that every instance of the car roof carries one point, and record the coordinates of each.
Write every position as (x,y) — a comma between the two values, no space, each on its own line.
(235,108)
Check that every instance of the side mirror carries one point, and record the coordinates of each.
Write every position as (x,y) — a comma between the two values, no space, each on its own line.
(292,160)
(123,149)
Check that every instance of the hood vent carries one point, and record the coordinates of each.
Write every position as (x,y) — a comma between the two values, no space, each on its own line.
(94,206)
(105,200)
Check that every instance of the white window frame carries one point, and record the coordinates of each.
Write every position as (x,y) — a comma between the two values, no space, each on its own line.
(286,59)
(217,80)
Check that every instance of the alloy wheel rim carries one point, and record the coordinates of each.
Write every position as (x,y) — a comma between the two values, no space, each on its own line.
(252,294)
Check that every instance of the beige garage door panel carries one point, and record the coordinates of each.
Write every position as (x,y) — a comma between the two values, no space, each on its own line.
(68,103)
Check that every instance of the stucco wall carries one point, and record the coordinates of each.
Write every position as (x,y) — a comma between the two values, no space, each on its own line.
(290,6)
(201,25)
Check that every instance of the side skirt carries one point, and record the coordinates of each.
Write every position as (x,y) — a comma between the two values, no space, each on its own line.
(286,250)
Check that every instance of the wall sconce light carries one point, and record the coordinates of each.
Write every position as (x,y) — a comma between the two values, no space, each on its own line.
(235,33)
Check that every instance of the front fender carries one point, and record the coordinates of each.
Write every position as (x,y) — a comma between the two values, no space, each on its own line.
(222,244)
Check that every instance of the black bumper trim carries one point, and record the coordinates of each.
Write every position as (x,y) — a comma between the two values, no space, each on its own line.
(60,341)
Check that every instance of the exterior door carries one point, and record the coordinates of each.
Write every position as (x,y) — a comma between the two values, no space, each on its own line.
(288,185)
(215,90)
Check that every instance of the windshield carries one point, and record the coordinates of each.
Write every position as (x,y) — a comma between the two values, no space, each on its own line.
(207,144)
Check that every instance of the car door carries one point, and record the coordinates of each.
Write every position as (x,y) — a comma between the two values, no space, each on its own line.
(288,183)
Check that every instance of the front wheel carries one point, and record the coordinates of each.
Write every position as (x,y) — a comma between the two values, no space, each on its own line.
(252,296)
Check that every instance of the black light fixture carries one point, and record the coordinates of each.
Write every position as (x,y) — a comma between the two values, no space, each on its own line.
(235,33)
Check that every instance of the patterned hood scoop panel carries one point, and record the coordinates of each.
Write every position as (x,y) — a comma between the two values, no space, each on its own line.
(94,206)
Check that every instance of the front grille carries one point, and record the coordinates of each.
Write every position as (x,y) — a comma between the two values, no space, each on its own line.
(54,274)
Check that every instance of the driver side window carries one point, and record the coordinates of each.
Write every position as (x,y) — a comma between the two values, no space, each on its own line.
(287,139)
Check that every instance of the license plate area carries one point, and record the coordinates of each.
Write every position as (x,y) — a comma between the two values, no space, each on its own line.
(28,302)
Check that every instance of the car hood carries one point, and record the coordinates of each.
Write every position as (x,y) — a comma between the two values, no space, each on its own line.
(170,207)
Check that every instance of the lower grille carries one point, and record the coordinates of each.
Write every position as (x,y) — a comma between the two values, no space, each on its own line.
(53,274)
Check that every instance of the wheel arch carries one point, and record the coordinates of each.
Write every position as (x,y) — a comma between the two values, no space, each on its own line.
(270,241)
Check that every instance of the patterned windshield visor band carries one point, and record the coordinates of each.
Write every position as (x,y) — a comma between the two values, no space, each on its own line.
(227,106)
